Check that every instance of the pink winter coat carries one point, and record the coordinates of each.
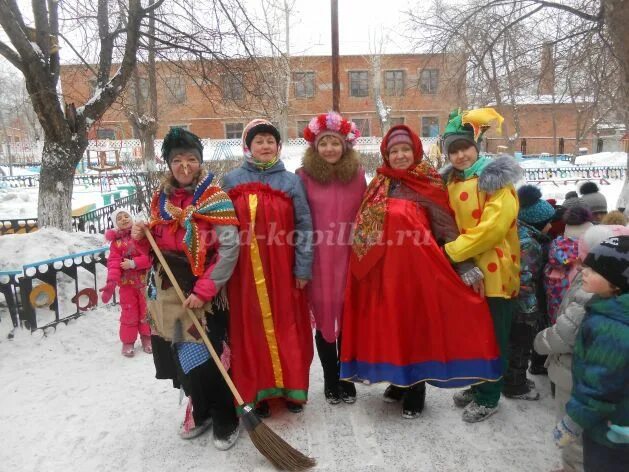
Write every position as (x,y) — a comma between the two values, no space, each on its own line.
(122,247)
(333,207)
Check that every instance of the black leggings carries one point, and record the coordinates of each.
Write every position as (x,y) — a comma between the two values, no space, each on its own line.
(329,354)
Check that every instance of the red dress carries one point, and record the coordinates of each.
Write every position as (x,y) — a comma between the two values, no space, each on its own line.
(408,317)
(270,331)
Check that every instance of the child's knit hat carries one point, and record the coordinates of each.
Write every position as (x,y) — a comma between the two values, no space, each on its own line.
(610,259)
(534,210)
(116,212)
(592,198)
(578,220)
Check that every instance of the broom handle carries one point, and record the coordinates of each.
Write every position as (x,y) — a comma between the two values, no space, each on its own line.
(200,328)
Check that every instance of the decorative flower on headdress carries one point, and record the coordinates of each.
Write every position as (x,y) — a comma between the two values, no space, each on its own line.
(331,123)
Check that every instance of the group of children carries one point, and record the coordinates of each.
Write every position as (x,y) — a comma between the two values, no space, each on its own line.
(550,277)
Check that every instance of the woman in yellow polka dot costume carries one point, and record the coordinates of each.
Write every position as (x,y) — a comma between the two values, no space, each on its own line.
(482,194)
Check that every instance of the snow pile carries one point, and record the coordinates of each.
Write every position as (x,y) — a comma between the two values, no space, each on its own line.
(17,171)
(603,159)
(17,250)
(88,408)
(18,203)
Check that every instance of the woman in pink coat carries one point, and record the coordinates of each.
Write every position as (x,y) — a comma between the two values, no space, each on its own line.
(334,183)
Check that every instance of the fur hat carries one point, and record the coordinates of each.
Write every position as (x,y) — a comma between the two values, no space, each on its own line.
(116,212)
(611,260)
(331,124)
(179,140)
(592,198)
(533,209)
(578,220)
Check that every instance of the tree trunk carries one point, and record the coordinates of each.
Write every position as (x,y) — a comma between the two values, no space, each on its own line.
(56,182)
(617,19)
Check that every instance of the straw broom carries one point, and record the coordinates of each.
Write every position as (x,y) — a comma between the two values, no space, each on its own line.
(281,454)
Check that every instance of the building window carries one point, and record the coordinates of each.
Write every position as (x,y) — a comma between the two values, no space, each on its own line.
(397,120)
(105,133)
(359,83)
(176,89)
(304,84)
(232,88)
(429,81)
(430,126)
(186,127)
(363,126)
(394,82)
(300,128)
(233,130)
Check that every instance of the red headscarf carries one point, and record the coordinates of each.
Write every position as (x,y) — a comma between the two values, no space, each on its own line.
(371,219)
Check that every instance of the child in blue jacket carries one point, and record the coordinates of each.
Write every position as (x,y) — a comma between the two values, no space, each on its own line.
(600,370)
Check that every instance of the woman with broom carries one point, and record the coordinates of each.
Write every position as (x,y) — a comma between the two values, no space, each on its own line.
(194,224)
(410,317)
(271,335)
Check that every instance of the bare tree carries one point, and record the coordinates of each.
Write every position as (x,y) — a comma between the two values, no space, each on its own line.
(34,51)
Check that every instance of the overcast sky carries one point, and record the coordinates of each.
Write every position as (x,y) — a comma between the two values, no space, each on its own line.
(358,20)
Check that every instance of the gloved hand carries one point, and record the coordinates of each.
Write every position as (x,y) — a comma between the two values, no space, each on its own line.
(566,432)
(107,291)
(618,434)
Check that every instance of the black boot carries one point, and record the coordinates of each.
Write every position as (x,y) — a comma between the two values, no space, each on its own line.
(329,361)
(393,394)
(414,400)
(348,391)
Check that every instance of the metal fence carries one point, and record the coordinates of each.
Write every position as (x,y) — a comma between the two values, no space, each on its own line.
(94,221)
(574,174)
(45,293)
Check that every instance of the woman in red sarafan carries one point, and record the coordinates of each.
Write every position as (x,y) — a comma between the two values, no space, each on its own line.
(409,318)
(270,331)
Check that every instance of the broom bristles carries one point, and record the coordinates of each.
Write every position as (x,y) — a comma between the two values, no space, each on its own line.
(281,454)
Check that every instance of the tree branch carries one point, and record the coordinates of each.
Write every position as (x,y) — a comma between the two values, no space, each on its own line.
(10,55)
(581,14)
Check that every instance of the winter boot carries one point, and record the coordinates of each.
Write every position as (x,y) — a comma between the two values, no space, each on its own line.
(414,400)
(347,391)
(463,398)
(187,432)
(393,394)
(127,349)
(146,344)
(262,410)
(474,413)
(222,443)
(531,395)
(294,407)
(332,393)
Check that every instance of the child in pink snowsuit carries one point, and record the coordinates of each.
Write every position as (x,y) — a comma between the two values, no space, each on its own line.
(126,267)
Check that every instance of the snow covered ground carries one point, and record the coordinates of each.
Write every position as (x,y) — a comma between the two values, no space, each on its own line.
(70,401)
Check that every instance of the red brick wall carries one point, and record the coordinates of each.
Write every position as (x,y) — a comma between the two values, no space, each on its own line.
(206,113)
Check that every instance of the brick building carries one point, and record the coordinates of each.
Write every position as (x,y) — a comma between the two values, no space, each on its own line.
(420,90)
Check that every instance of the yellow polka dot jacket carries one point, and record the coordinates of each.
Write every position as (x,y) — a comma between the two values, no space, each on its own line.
(486,212)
